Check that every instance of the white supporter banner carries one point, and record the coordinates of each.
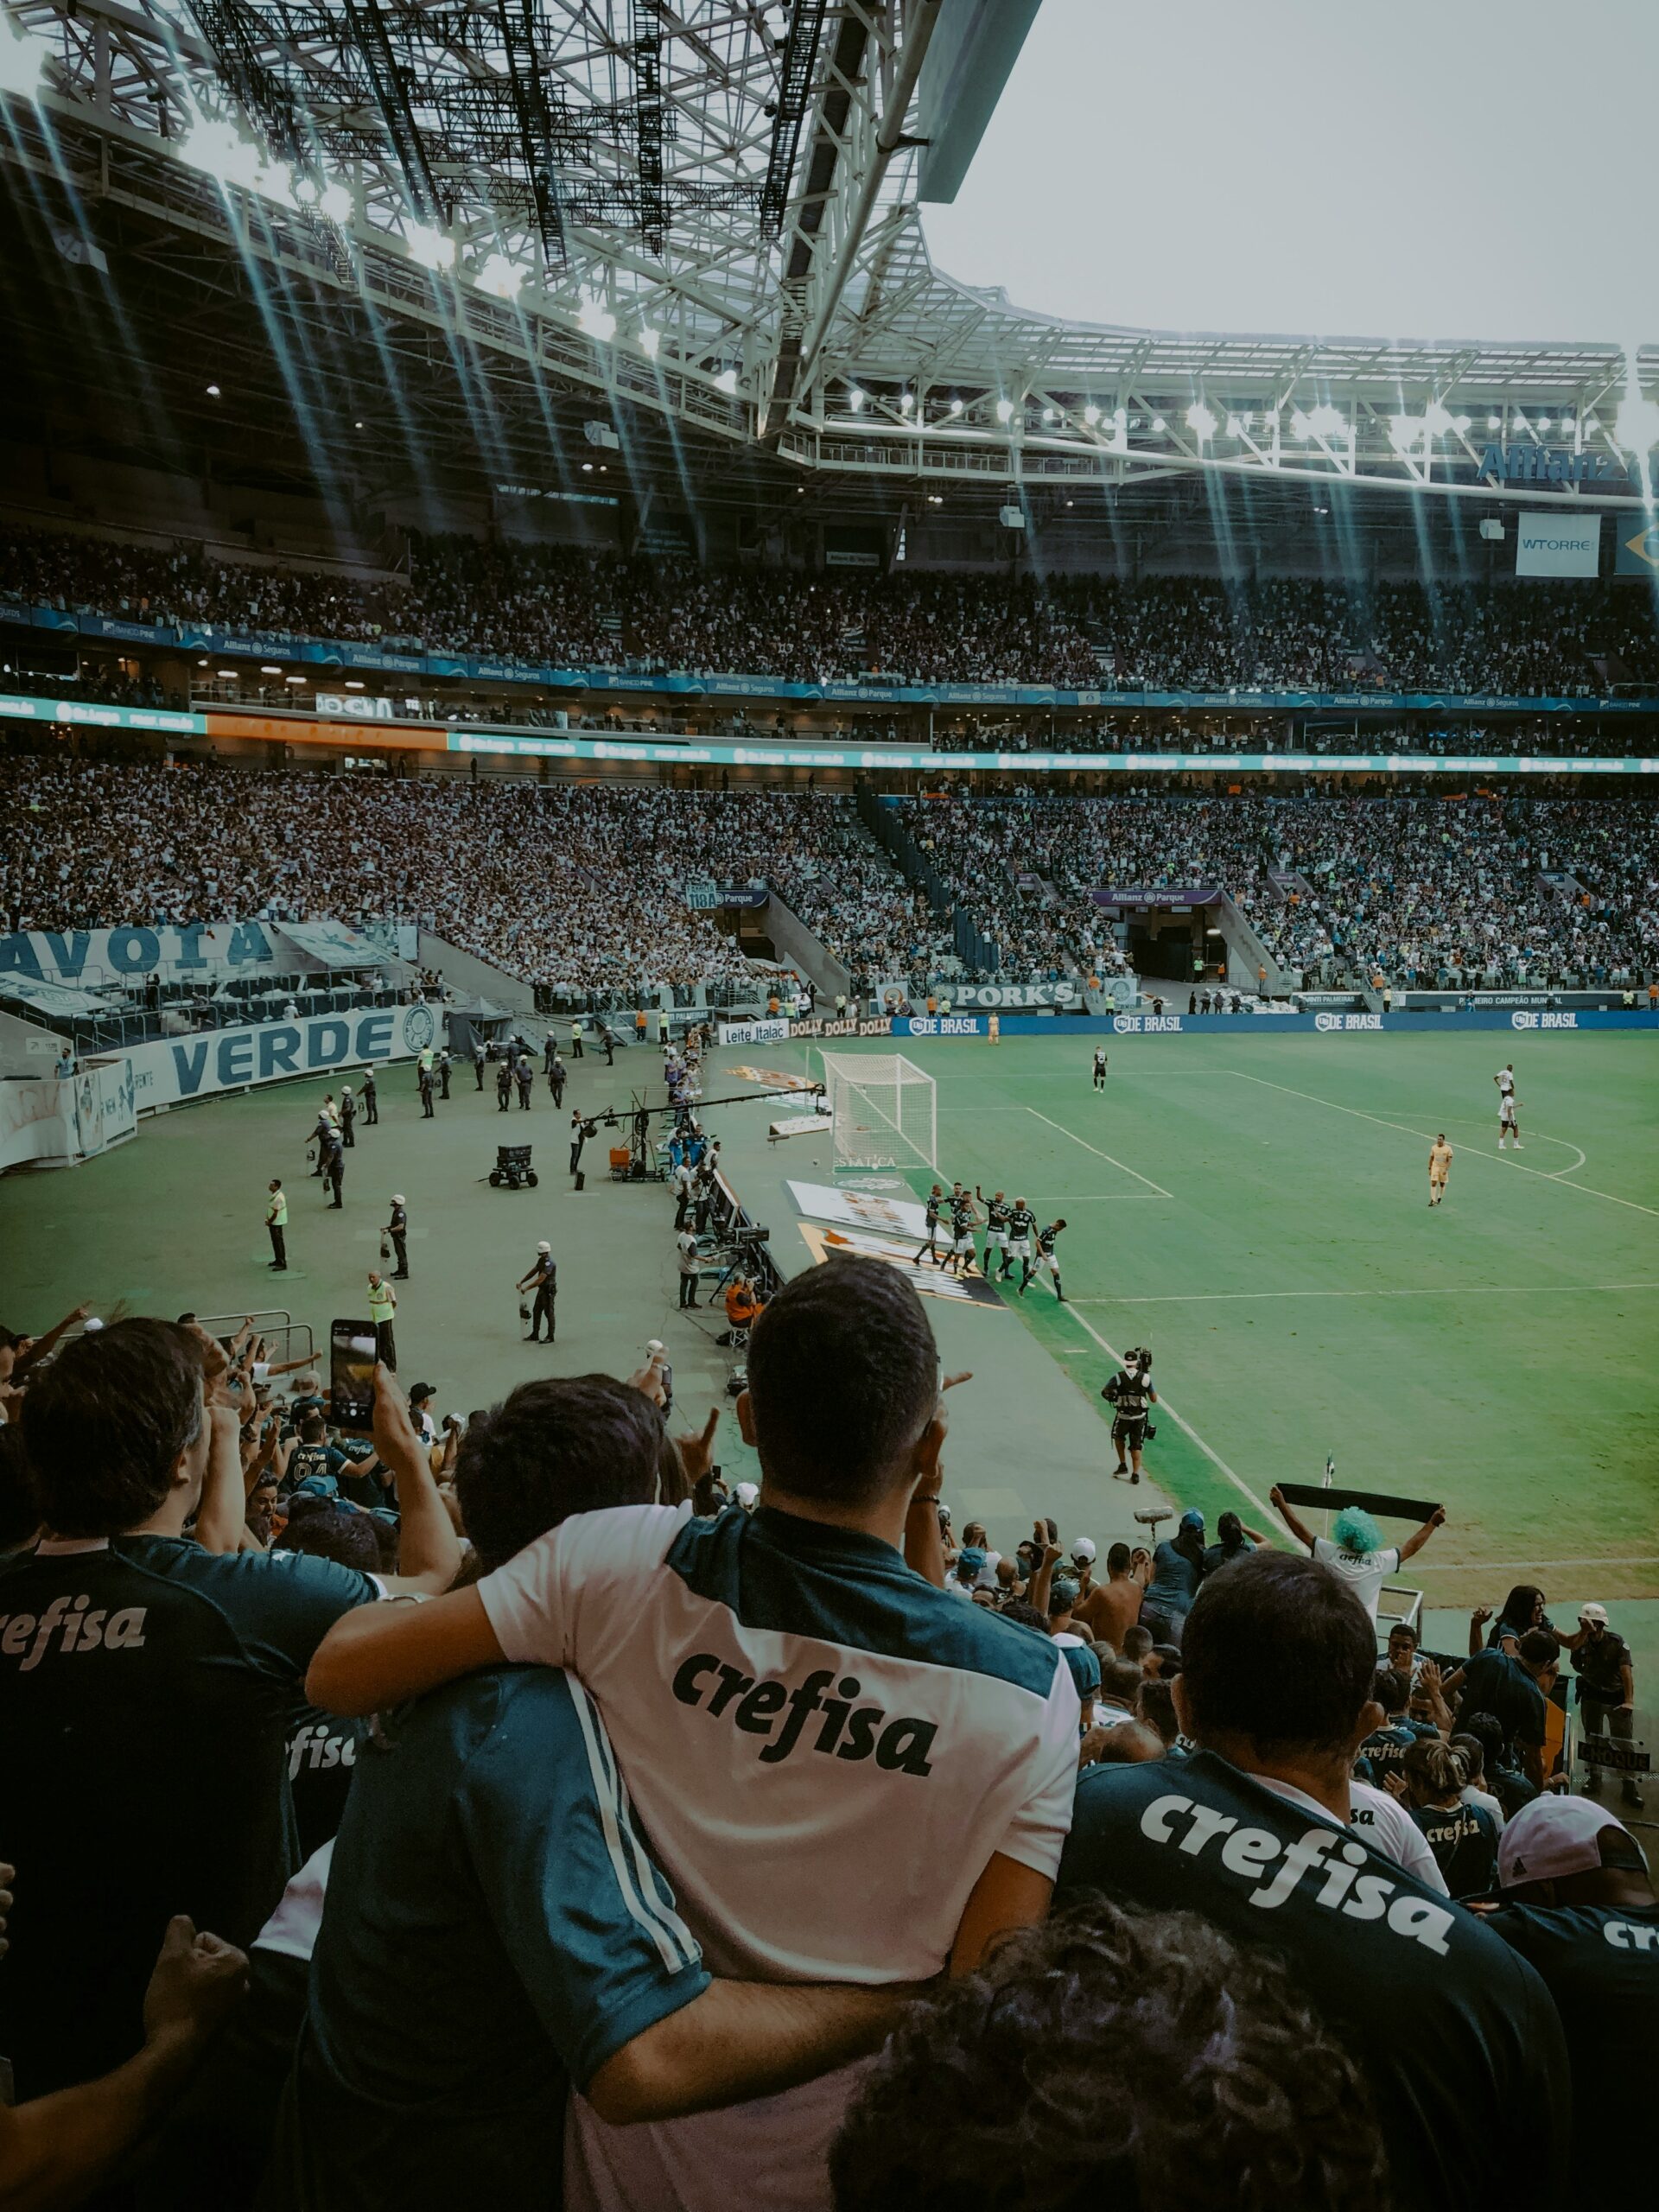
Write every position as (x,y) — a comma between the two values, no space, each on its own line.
(1556,544)
(176,1068)
(752,1032)
(861,1210)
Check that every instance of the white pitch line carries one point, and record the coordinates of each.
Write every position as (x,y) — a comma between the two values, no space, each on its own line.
(1099,1154)
(1210,1453)
(1509,1566)
(1538,1136)
(1498,1160)
(1471,1290)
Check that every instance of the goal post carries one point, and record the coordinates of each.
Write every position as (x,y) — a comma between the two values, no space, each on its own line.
(885,1109)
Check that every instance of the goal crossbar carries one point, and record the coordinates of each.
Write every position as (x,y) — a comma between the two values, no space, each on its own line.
(885,1111)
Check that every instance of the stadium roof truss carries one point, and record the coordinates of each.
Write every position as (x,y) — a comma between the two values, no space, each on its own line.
(707,208)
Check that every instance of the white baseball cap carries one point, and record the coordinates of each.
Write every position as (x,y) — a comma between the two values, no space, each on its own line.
(1552,1836)
(1083,1550)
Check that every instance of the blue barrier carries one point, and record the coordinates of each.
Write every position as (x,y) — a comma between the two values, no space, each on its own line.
(1266,1025)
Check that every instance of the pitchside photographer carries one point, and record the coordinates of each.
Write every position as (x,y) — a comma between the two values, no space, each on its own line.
(1130,1394)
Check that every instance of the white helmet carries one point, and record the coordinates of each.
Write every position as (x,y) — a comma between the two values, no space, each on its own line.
(398,1198)
(544,1246)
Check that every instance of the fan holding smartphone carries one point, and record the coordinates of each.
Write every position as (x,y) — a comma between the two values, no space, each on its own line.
(351,1375)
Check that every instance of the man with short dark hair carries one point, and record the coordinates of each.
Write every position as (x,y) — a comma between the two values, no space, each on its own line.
(1113,2057)
(1513,1691)
(1113,1606)
(490,1856)
(861,1776)
(1453,2037)
(146,1683)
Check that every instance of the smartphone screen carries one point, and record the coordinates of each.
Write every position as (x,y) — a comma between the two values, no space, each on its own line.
(351,1375)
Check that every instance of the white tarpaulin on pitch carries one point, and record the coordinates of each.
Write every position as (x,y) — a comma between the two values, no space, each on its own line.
(895,1213)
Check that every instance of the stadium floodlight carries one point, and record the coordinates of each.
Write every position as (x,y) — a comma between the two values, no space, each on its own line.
(1518,421)
(1494,421)
(955,407)
(218,150)
(1201,422)
(1235,426)
(1004,410)
(1636,424)
(726,381)
(1120,418)
(1300,426)
(1050,415)
(650,339)
(1543,426)
(1404,431)
(856,399)
(335,200)
(1159,426)
(1436,421)
(1327,422)
(597,319)
(501,277)
(22,60)
(1461,425)
(1091,414)
(433,249)
(1591,424)
(906,403)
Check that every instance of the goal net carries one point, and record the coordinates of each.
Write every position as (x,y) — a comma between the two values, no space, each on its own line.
(884,1108)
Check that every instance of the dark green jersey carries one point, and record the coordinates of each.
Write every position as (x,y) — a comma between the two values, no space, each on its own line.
(1457,2039)
(1021,1221)
(487,1856)
(1463,1839)
(146,1690)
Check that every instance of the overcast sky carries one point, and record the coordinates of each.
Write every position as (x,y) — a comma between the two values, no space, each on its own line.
(1432,168)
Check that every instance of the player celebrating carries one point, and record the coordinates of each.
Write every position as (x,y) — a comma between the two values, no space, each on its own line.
(964,1252)
(997,1210)
(1047,1260)
(1021,1222)
(1440,1163)
(1509,1106)
(935,1199)
(1100,1067)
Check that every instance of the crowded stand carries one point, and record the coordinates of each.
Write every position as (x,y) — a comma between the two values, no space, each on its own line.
(457,1953)
(559,606)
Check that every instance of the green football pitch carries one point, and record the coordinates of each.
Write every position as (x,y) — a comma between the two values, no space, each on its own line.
(1257,1212)
(1255,1209)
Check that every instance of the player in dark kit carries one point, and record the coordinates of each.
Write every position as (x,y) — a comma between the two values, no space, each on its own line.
(997,1213)
(1022,1224)
(1047,1260)
(1099,1068)
(963,1253)
(930,1214)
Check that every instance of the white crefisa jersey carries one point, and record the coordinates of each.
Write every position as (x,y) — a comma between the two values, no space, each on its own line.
(1505,1081)
(825,1751)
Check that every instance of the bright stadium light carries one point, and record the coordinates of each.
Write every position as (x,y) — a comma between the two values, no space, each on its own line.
(1494,421)
(1591,425)
(1159,426)
(1091,414)
(907,403)
(597,319)
(1300,426)
(335,201)
(1518,421)
(1050,415)
(1325,420)
(1004,410)
(1120,418)
(502,277)
(22,60)
(856,399)
(1436,421)
(650,339)
(1462,425)
(726,381)
(955,407)
(433,249)
(1636,423)
(1543,426)
(1201,422)
(220,151)
(1404,431)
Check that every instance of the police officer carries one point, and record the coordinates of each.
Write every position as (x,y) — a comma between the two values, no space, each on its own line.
(322,1131)
(398,1229)
(555,1078)
(444,1066)
(382,1306)
(333,1165)
(550,1053)
(503,1085)
(347,1115)
(545,1275)
(276,1222)
(607,1038)
(370,1103)
(478,1058)
(424,1080)
(524,1074)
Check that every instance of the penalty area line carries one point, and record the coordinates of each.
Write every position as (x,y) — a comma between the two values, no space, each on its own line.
(1185,1427)
(1122,1167)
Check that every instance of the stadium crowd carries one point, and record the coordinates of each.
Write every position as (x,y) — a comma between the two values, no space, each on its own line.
(635,1852)
(554,605)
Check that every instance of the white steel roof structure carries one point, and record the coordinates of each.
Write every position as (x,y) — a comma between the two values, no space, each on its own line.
(707,208)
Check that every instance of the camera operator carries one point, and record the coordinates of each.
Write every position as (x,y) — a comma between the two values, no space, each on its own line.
(743,1306)
(1129,1394)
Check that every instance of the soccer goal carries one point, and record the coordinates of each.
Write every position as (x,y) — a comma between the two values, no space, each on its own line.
(886,1111)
